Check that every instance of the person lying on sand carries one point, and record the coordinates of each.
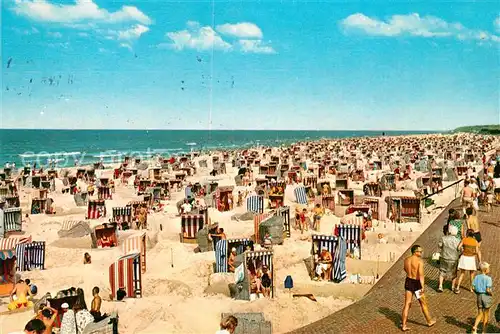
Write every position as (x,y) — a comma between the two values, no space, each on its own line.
(22,291)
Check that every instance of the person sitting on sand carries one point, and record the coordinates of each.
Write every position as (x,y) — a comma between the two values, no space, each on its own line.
(324,265)
(228,325)
(231,260)
(87,259)
(22,292)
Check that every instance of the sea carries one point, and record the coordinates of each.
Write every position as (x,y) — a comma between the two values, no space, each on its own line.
(83,147)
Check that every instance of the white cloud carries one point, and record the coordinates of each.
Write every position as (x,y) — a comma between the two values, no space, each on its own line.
(127,24)
(412,25)
(198,38)
(55,34)
(247,38)
(81,11)
(130,34)
(133,33)
(255,46)
(240,30)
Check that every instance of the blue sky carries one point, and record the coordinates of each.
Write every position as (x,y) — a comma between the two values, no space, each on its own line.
(256,65)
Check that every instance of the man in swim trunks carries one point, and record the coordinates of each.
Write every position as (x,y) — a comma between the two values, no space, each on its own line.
(21,290)
(414,285)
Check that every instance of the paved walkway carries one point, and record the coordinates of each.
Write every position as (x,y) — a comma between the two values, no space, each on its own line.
(380,310)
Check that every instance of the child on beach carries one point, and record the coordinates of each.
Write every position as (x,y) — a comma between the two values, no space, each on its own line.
(483,285)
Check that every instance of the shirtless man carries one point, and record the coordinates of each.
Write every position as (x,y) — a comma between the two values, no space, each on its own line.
(22,291)
(414,284)
(49,316)
(467,195)
(95,308)
(231,260)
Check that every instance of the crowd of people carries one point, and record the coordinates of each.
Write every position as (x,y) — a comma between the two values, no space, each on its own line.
(73,320)
(459,252)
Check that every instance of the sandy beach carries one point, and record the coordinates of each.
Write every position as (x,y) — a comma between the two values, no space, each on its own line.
(180,291)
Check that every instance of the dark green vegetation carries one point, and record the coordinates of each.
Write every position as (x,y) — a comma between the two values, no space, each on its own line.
(492,129)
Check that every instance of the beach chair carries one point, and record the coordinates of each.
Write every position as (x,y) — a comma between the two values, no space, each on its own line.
(223,250)
(254,261)
(190,225)
(136,243)
(30,255)
(284,212)
(126,273)
(352,235)
(10,221)
(255,204)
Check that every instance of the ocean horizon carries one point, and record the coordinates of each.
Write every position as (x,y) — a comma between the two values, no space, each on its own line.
(26,146)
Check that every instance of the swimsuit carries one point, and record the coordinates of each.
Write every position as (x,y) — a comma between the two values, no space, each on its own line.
(412,285)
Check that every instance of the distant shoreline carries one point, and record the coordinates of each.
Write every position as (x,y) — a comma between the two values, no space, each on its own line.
(88,146)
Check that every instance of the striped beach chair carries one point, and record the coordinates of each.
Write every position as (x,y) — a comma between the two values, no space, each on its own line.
(136,244)
(12,241)
(352,235)
(104,193)
(12,220)
(255,204)
(223,249)
(96,209)
(330,242)
(30,256)
(256,259)
(125,273)
(122,214)
(257,220)
(190,225)
(311,181)
(284,212)
(300,195)
(339,268)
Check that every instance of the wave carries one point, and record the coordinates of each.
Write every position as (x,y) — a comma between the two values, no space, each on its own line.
(46,154)
(191,144)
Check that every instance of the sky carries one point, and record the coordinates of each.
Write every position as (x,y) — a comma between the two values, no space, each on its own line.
(329,65)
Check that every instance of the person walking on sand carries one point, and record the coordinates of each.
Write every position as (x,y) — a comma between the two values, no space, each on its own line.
(414,285)
(482,286)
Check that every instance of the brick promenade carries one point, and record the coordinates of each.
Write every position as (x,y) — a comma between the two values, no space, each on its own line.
(380,310)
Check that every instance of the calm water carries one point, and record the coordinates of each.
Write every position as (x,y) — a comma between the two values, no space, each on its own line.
(27,146)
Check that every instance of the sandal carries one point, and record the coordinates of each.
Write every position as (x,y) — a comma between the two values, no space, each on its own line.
(440,290)
(457,291)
